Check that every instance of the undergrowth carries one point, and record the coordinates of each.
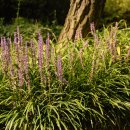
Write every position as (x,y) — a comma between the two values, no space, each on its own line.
(79,85)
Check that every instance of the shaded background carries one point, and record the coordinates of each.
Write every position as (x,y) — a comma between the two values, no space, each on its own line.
(56,10)
(43,10)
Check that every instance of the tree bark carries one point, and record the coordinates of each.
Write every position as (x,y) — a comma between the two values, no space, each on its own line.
(80,15)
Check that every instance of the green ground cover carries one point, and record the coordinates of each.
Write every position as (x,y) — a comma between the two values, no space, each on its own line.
(80,85)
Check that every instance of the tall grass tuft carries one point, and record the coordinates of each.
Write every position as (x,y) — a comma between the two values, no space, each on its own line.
(80,85)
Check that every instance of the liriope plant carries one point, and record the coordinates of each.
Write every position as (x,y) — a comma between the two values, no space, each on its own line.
(78,85)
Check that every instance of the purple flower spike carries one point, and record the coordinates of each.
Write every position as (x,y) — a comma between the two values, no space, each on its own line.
(20,40)
(26,66)
(15,38)
(40,51)
(11,68)
(1,43)
(48,50)
(53,57)
(76,35)
(80,33)
(26,59)
(5,53)
(20,76)
(18,35)
(33,52)
(92,28)
(59,69)
(93,32)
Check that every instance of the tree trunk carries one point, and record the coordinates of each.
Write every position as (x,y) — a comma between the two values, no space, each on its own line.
(80,15)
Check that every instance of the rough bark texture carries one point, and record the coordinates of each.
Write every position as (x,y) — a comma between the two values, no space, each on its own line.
(80,15)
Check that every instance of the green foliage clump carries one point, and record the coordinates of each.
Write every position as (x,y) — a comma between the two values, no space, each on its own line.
(79,85)
(29,28)
(118,9)
(117,6)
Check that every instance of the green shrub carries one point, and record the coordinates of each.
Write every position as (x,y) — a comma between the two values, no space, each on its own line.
(78,85)
(116,10)
(117,7)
